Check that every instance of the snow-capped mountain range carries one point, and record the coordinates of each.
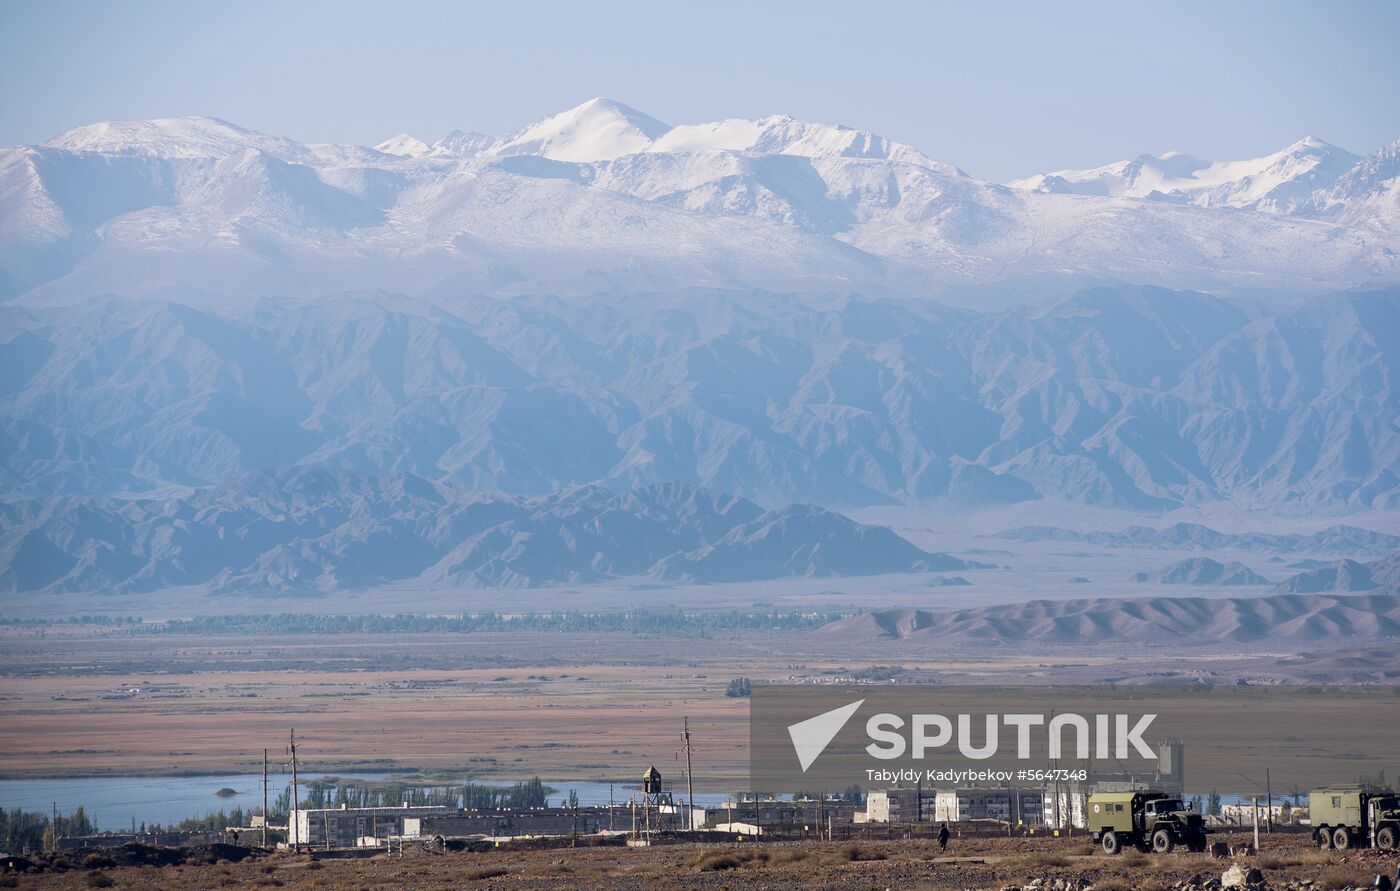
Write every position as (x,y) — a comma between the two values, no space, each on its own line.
(1309,179)
(604,198)
(604,130)
(1290,181)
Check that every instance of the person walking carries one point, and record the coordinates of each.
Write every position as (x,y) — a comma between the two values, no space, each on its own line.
(943,838)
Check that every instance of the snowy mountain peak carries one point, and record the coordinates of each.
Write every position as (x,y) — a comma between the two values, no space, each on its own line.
(404,146)
(188,137)
(1310,142)
(1281,182)
(1368,194)
(1309,147)
(1171,164)
(597,130)
(782,134)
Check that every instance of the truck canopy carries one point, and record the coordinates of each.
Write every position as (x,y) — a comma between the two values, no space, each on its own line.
(1340,789)
(1125,797)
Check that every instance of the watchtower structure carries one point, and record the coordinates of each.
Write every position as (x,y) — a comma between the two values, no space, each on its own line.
(652,795)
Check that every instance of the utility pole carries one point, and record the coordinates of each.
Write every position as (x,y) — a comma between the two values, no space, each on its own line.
(292,813)
(1255,800)
(55,826)
(689,780)
(264,826)
(1008,808)
(1055,786)
(1269,790)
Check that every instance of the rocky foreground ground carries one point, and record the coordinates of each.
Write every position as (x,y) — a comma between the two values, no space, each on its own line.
(1033,864)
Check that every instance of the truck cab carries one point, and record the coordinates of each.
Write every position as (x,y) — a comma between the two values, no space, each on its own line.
(1144,819)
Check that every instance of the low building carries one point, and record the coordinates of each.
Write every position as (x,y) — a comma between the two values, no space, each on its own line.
(1019,807)
(683,817)
(785,814)
(510,823)
(1024,807)
(1244,814)
(901,805)
(739,828)
(113,839)
(1168,774)
(344,827)
(1064,806)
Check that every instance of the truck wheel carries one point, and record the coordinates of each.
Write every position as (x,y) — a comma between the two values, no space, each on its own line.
(1324,838)
(1111,843)
(1341,838)
(1385,838)
(1197,845)
(1162,841)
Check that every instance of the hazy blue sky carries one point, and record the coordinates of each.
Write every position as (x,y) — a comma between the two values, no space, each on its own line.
(1001,89)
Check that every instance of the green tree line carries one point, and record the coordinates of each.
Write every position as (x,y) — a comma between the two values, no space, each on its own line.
(22,830)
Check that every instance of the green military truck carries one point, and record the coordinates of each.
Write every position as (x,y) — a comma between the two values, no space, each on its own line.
(1146,820)
(1354,816)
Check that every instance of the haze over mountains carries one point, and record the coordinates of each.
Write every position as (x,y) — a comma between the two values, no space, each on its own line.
(604,198)
(235,363)
(1291,618)
(1203,571)
(314,531)
(1136,398)
(1339,539)
(1347,576)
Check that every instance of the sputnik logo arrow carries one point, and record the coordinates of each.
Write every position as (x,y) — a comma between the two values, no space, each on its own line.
(811,737)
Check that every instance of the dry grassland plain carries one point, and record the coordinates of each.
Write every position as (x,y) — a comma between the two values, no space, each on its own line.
(77,702)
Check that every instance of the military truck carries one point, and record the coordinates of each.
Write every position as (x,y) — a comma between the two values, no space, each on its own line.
(1354,816)
(1146,820)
